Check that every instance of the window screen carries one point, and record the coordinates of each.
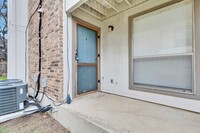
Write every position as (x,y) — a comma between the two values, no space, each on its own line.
(162,48)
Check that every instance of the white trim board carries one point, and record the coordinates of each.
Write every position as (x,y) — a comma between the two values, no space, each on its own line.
(176,102)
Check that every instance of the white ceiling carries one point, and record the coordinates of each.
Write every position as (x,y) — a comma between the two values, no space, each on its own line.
(102,9)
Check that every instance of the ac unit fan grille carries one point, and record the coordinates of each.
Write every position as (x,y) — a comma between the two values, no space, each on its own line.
(8,101)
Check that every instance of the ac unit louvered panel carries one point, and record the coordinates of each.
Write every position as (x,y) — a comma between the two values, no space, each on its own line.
(8,104)
(8,100)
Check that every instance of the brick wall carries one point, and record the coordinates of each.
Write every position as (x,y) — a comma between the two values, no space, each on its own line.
(52,46)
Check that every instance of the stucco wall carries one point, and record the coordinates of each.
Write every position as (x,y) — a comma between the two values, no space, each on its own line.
(52,46)
(115,63)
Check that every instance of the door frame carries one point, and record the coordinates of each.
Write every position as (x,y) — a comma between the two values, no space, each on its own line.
(97,30)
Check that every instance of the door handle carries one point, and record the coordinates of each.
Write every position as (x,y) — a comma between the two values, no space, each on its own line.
(76,56)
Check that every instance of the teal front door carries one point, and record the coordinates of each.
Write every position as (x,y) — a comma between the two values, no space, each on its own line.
(86,57)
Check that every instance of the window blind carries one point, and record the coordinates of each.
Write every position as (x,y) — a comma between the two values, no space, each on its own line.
(162,48)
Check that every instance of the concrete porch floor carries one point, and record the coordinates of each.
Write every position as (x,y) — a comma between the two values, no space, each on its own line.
(111,113)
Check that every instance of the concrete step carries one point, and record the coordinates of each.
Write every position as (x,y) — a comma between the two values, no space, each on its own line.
(78,123)
(102,113)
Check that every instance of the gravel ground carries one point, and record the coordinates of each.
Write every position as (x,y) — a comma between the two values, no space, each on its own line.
(35,123)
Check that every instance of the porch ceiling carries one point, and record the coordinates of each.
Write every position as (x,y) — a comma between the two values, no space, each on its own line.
(102,9)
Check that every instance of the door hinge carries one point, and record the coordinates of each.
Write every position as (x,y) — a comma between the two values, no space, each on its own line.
(98,37)
(98,55)
(99,81)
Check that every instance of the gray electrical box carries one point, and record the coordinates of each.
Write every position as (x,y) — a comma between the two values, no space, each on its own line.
(13,95)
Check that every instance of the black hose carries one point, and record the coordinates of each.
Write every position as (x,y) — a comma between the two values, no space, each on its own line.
(40,50)
(34,104)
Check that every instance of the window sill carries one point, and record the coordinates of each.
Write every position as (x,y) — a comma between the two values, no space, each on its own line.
(166,91)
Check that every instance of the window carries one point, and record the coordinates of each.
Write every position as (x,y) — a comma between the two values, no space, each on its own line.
(162,49)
